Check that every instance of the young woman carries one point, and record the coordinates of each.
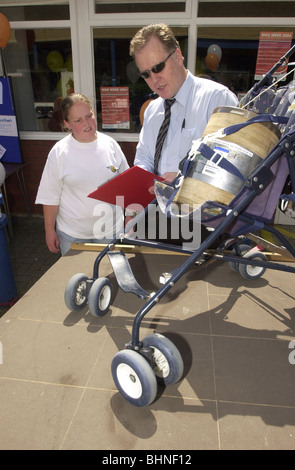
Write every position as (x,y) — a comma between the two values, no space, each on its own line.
(75,167)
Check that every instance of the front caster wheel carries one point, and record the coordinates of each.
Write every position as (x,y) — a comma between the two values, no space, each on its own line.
(76,292)
(168,363)
(100,297)
(134,378)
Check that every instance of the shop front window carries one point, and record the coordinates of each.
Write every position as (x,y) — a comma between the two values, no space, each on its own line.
(229,55)
(39,64)
(120,92)
(134,6)
(240,9)
(36,12)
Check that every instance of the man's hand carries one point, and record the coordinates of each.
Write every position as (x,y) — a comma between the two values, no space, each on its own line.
(168,178)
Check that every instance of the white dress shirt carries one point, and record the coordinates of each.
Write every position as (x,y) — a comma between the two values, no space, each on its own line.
(195,102)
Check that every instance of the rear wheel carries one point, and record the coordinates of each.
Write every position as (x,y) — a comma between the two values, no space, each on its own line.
(100,297)
(134,378)
(249,271)
(76,292)
(234,265)
(168,364)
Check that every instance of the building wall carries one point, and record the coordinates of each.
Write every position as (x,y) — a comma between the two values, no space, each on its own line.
(233,24)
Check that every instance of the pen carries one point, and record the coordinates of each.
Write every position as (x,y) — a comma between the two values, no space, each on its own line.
(183,125)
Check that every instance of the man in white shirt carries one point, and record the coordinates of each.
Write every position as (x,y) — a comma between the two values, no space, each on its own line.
(160,62)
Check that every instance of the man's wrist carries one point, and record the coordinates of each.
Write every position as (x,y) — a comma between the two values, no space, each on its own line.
(130,213)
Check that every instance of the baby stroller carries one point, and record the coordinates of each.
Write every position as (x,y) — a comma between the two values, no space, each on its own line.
(235,215)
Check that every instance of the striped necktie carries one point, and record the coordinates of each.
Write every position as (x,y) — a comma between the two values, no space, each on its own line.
(163,132)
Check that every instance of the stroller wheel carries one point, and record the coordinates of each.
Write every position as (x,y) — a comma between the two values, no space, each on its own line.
(168,363)
(234,265)
(249,271)
(134,378)
(100,297)
(76,292)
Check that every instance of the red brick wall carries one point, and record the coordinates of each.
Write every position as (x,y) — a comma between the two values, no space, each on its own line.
(34,155)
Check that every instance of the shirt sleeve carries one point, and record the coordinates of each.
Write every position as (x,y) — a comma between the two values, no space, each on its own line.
(143,156)
(50,187)
(120,157)
(223,97)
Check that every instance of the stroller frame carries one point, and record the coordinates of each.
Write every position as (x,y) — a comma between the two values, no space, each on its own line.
(261,176)
(139,357)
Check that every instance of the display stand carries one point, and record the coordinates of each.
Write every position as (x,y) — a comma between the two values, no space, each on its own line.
(10,149)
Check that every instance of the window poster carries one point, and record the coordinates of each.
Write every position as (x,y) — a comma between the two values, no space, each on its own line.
(115,107)
(10,150)
(272,46)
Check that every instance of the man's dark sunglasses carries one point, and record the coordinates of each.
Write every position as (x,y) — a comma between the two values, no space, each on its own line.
(156,68)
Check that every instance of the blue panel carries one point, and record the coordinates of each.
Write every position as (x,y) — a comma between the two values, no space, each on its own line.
(10,150)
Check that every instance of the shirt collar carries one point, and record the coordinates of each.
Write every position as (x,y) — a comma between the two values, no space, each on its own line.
(184,92)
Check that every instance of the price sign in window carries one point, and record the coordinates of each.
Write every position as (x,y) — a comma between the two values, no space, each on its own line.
(115,107)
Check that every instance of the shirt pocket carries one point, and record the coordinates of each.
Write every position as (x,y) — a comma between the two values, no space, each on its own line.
(186,139)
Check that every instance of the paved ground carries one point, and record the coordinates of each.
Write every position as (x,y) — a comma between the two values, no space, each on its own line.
(234,335)
(29,255)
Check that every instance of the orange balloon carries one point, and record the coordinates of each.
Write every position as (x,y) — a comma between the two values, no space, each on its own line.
(212,61)
(5,30)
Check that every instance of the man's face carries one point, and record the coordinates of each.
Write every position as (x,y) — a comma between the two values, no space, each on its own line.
(167,82)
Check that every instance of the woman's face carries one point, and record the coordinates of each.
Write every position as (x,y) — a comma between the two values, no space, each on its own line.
(81,122)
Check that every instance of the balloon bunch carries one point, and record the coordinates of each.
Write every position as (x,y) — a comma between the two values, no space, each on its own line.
(55,61)
(213,57)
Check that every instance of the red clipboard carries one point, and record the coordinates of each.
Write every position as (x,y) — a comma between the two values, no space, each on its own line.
(129,187)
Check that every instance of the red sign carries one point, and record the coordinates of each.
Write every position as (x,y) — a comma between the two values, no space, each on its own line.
(272,46)
(115,107)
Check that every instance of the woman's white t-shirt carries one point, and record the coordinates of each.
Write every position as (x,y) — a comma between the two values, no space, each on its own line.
(72,171)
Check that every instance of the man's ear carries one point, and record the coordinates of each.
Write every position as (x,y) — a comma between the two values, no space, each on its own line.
(179,56)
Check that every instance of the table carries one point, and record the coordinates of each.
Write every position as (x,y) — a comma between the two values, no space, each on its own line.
(15,169)
(57,390)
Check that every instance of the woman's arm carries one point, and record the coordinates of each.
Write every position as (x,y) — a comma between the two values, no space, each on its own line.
(51,237)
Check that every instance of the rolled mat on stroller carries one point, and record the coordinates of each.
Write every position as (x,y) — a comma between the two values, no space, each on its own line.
(245,149)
